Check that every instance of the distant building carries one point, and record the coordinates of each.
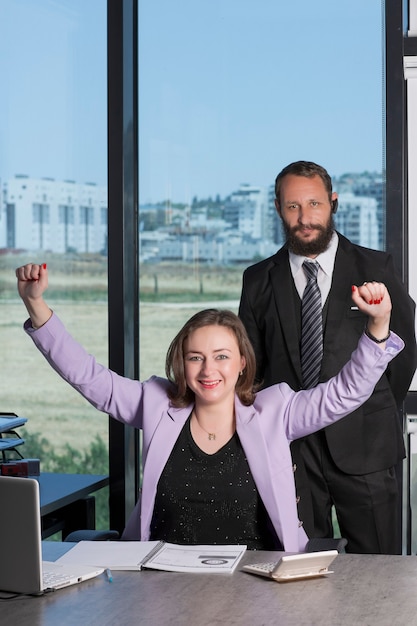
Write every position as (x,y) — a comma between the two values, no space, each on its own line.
(246,211)
(216,249)
(64,216)
(365,185)
(357,219)
(60,216)
(273,220)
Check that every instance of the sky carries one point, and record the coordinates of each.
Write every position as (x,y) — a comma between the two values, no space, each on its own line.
(230,91)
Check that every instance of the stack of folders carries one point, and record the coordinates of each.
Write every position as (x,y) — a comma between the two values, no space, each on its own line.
(9,439)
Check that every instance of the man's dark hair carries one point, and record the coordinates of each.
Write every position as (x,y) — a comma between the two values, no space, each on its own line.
(307,169)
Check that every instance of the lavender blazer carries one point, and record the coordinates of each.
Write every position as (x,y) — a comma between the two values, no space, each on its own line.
(265,429)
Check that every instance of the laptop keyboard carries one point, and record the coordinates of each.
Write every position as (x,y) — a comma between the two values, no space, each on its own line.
(263,567)
(54,580)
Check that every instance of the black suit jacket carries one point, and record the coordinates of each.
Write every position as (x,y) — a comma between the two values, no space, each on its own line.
(371,438)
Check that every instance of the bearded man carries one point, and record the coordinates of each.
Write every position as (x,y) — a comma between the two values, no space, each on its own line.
(351,467)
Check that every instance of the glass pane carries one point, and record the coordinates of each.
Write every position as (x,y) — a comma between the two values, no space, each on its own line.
(53,170)
(229,93)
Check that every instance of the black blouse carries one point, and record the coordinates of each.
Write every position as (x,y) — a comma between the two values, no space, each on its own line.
(210,498)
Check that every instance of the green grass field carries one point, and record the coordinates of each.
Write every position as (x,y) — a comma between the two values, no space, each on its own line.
(78,294)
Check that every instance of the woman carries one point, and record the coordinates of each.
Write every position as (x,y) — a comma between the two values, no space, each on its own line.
(217,467)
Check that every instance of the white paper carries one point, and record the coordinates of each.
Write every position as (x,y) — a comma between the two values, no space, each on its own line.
(201,558)
(134,555)
(114,555)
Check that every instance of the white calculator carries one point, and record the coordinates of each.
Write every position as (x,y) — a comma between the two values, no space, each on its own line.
(295,566)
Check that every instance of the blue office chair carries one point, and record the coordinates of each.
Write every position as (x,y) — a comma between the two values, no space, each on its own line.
(92,535)
(317,544)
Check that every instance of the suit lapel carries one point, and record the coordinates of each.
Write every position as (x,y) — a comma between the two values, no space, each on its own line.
(282,285)
(339,300)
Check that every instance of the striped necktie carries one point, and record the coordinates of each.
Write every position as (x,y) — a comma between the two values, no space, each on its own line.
(311,328)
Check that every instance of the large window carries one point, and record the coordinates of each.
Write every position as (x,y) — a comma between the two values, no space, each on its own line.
(53,177)
(229,93)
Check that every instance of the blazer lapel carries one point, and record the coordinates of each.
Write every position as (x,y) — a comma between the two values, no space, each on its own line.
(160,447)
(272,483)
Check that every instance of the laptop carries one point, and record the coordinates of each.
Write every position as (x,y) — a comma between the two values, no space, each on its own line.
(295,566)
(22,570)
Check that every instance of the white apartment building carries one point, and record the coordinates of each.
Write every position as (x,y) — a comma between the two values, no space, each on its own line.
(357,219)
(50,215)
(247,210)
(64,216)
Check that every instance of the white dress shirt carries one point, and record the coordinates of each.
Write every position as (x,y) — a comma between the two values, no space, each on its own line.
(325,261)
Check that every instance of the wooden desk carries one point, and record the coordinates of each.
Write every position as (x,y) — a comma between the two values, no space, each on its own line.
(363,591)
(66,501)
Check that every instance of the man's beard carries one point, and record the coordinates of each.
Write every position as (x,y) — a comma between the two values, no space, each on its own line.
(309,248)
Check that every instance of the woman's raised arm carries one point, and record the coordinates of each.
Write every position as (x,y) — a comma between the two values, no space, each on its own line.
(32,282)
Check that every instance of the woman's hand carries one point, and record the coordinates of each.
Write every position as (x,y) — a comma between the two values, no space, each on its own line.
(32,282)
(373,299)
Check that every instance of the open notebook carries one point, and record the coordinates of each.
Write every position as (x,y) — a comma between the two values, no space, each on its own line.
(21,567)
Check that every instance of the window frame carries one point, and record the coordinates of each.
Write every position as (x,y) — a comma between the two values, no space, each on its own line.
(123,207)
(123,270)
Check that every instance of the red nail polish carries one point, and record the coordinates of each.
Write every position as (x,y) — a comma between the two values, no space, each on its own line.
(353,287)
(44,266)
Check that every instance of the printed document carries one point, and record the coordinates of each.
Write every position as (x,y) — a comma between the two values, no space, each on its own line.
(136,555)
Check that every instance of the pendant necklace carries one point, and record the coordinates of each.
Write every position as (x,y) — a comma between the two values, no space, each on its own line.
(210,435)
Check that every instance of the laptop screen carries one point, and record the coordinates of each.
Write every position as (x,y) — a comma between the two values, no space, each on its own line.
(20,535)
